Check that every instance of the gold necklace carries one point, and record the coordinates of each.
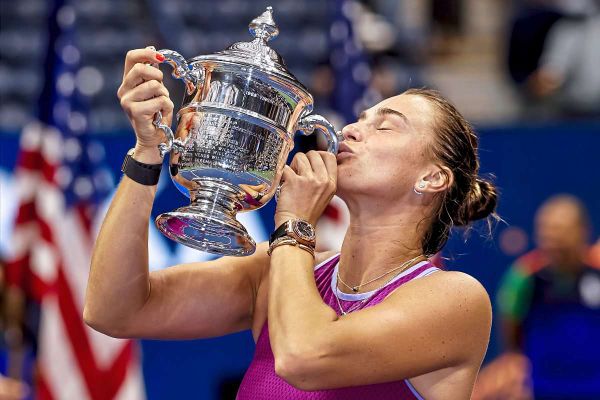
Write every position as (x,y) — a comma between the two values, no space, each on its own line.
(357,305)
(356,288)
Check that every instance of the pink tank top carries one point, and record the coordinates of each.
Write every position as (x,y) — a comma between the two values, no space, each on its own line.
(260,381)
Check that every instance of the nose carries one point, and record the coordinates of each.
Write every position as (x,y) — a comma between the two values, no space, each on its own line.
(350,132)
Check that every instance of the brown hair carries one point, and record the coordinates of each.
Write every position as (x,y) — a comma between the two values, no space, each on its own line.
(470,197)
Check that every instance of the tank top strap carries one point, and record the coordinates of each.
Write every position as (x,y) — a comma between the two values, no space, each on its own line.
(371,298)
(323,272)
(418,271)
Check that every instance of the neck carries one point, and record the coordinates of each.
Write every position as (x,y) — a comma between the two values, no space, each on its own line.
(376,243)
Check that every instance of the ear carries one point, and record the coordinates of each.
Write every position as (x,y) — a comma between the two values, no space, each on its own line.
(436,179)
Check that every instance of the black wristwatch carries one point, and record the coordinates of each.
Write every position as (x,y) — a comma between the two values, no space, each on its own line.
(297,229)
(146,174)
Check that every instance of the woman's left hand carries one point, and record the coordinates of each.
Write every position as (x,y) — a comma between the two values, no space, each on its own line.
(307,186)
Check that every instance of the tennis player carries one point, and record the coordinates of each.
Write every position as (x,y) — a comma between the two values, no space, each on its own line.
(375,320)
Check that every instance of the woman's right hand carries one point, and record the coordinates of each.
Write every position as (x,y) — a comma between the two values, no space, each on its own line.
(142,95)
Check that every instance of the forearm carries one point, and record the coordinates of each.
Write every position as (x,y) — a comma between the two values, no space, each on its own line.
(119,283)
(298,317)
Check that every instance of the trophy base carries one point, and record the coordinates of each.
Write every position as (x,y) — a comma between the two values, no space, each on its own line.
(211,231)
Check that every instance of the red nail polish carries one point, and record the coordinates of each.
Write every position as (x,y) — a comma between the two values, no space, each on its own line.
(160,57)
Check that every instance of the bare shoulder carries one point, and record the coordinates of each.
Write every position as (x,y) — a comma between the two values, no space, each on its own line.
(450,285)
(464,295)
(452,303)
(459,286)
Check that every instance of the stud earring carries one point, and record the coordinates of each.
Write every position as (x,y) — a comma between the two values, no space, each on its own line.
(421,186)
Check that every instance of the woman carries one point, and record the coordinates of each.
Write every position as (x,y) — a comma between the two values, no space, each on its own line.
(376,320)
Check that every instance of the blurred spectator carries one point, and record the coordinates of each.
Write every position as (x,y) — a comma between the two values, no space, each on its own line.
(528,33)
(11,389)
(447,25)
(505,378)
(553,58)
(447,16)
(322,85)
(595,254)
(10,343)
(568,75)
(389,77)
(549,303)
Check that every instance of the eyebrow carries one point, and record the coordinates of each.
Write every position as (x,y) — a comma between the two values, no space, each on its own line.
(384,111)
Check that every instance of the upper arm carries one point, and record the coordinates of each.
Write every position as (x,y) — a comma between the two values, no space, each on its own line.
(436,322)
(200,300)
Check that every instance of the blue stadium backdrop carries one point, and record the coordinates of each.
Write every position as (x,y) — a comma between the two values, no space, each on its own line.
(530,162)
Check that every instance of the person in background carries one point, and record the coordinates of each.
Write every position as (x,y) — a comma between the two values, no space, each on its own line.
(527,35)
(549,303)
(553,57)
(568,77)
(12,389)
(9,388)
(595,254)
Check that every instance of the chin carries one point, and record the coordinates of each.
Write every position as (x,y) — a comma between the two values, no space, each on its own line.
(350,185)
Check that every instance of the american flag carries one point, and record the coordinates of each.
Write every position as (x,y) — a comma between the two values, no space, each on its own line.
(61,180)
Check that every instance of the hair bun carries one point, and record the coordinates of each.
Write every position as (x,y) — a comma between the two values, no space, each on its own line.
(480,202)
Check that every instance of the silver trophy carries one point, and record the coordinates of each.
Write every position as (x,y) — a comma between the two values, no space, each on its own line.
(234,132)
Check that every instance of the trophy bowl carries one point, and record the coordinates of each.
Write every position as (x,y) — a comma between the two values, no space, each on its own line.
(235,130)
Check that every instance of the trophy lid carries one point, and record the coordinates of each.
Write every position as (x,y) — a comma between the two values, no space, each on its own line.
(257,52)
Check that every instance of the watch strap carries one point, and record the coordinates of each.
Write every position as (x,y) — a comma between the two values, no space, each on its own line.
(281,231)
(145,174)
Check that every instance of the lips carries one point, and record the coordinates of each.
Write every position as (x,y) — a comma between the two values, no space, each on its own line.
(344,151)
(344,148)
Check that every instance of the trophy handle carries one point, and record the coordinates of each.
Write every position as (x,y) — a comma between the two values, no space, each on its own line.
(311,123)
(172,143)
(192,77)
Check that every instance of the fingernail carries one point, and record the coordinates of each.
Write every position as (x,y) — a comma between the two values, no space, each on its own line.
(151,47)
(160,57)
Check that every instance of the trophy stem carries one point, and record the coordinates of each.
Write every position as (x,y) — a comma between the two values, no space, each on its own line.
(209,223)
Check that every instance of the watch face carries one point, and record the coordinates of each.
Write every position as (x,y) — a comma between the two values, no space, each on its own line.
(304,230)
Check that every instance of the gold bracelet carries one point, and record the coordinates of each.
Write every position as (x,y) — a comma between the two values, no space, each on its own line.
(286,240)
(280,242)
(307,248)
